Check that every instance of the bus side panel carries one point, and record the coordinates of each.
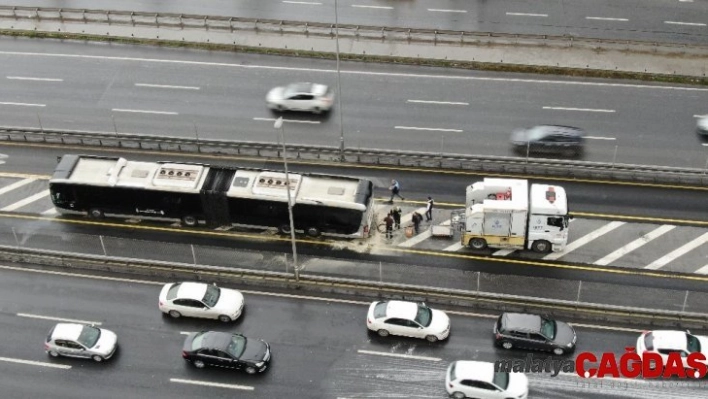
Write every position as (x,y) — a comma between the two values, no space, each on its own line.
(258,212)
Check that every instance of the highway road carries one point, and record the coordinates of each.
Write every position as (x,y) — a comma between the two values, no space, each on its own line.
(682,21)
(321,348)
(177,92)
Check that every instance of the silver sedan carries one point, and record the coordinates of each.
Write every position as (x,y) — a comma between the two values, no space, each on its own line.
(309,97)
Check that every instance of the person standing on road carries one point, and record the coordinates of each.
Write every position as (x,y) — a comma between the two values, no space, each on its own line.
(417,218)
(396,213)
(389,225)
(395,190)
(429,209)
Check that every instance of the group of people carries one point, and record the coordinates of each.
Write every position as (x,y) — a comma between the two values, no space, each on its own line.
(393,218)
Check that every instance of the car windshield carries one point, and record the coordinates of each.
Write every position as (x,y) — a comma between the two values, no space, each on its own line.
(424,316)
(296,88)
(693,344)
(89,336)
(380,310)
(197,341)
(172,291)
(501,380)
(211,296)
(548,328)
(536,133)
(237,345)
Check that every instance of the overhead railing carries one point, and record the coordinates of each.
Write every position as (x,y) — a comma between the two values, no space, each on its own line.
(368,156)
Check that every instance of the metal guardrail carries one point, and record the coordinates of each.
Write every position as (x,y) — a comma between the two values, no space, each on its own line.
(399,34)
(450,297)
(367,156)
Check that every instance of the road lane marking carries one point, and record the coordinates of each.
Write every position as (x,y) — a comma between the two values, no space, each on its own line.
(701,116)
(685,23)
(35,363)
(522,14)
(167,86)
(88,276)
(36,316)
(607,19)
(579,109)
(503,252)
(35,79)
(185,332)
(25,201)
(703,270)
(454,247)
(50,211)
(584,240)
(16,185)
(599,138)
(377,7)
(142,111)
(661,262)
(437,102)
(443,10)
(638,243)
(431,129)
(403,356)
(212,384)
(286,120)
(705,144)
(24,104)
(416,239)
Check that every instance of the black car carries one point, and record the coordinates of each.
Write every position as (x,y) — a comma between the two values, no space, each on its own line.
(233,351)
(531,331)
(549,139)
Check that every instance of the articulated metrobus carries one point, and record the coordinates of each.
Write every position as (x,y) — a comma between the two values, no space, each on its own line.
(216,195)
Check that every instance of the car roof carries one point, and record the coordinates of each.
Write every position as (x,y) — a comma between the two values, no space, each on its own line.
(402,309)
(670,339)
(190,290)
(70,331)
(521,321)
(474,370)
(306,87)
(216,340)
(559,129)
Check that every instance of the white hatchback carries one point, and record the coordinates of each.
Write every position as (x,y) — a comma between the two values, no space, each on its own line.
(311,97)
(80,340)
(664,342)
(472,379)
(201,300)
(408,319)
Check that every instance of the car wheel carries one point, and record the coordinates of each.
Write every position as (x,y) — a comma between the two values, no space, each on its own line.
(250,370)
(198,364)
(313,232)
(53,353)
(458,395)
(284,229)
(541,246)
(432,338)
(558,351)
(96,213)
(507,345)
(225,319)
(175,314)
(189,221)
(97,359)
(383,333)
(492,196)
(478,243)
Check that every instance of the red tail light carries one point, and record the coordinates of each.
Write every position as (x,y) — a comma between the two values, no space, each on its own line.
(498,335)
(368,320)
(184,354)
(46,346)
(161,303)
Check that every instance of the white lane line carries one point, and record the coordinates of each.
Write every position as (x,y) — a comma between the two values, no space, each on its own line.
(34,363)
(442,10)
(360,72)
(685,1)
(579,109)
(51,211)
(661,262)
(701,116)
(584,240)
(703,270)
(36,316)
(685,23)
(26,201)
(167,86)
(35,79)
(428,129)
(607,19)
(142,111)
(522,14)
(88,276)
(437,102)
(185,332)
(403,356)
(453,248)
(286,120)
(16,185)
(638,243)
(377,7)
(416,239)
(705,144)
(212,384)
(24,104)
(599,138)
(596,327)
(503,252)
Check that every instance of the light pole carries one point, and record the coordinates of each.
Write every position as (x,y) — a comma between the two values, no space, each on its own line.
(279,125)
(339,85)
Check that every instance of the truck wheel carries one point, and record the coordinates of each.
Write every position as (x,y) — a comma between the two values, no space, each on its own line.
(313,232)
(189,221)
(541,246)
(96,213)
(284,229)
(478,243)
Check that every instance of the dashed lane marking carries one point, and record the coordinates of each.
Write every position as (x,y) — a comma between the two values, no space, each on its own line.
(607,19)
(212,384)
(580,109)
(399,355)
(144,111)
(523,14)
(35,363)
(35,79)
(36,316)
(167,86)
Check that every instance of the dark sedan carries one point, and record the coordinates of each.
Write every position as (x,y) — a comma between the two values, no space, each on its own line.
(529,331)
(565,141)
(232,351)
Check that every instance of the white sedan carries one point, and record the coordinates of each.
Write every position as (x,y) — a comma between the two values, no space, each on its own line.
(311,97)
(408,319)
(472,379)
(201,300)
(79,340)
(664,342)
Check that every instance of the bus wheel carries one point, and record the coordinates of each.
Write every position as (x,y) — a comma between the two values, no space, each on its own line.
(284,229)
(478,243)
(313,232)
(542,246)
(96,213)
(189,221)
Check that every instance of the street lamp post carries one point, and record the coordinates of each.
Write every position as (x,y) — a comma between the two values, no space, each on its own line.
(279,125)
(339,85)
